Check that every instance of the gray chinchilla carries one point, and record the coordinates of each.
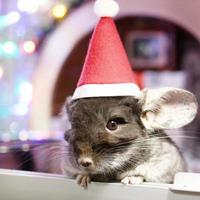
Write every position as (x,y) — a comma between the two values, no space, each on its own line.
(123,138)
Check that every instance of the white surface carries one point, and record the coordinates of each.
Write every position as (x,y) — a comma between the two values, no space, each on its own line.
(187,182)
(19,185)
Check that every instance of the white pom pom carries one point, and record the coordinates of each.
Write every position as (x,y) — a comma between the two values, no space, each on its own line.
(106,8)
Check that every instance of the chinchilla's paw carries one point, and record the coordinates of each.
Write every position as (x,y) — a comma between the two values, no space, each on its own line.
(83,180)
(132,180)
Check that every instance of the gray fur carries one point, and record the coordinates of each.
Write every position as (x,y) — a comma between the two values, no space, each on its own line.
(116,154)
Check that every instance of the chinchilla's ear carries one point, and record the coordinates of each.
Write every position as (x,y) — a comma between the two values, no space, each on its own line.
(167,108)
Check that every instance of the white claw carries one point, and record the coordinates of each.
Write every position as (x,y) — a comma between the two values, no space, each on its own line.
(132,180)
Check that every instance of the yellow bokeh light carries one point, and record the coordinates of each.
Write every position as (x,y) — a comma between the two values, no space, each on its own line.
(59,10)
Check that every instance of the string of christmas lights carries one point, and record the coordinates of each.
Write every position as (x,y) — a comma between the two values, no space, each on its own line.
(23,26)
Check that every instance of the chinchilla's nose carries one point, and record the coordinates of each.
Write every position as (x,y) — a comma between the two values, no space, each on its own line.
(85,162)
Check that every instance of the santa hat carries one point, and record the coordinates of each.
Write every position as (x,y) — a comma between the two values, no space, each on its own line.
(106,71)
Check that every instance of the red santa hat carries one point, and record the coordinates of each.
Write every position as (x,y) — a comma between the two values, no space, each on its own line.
(106,71)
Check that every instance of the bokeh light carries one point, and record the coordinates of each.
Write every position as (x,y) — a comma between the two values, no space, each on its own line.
(23,135)
(9,48)
(20,109)
(25,147)
(4,149)
(29,6)
(12,17)
(59,10)
(29,47)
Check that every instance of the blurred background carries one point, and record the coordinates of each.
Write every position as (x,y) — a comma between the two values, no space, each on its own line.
(43,44)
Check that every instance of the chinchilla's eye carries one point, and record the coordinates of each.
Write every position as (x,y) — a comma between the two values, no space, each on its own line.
(113,124)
